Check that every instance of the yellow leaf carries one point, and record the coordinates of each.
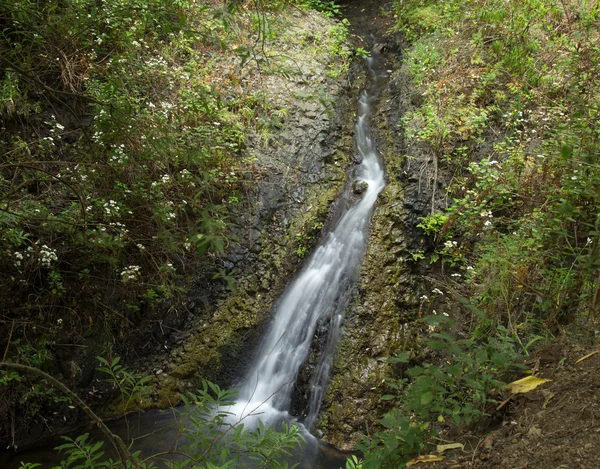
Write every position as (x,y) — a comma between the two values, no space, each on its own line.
(442,448)
(425,459)
(524,385)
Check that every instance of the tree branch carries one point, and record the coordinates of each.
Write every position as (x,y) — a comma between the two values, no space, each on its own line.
(119,445)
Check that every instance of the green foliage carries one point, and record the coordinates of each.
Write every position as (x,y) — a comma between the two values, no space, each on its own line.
(211,440)
(456,388)
(510,81)
(218,441)
(131,386)
(336,43)
(362,53)
(353,463)
(327,7)
(82,453)
(432,224)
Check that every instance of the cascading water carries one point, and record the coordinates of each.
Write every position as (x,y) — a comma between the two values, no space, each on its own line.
(321,292)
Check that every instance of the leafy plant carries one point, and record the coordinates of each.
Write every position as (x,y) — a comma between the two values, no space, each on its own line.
(130,386)
(211,440)
(328,7)
(457,388)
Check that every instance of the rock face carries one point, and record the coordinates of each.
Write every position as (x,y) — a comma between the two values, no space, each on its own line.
(300,169)
(381,320)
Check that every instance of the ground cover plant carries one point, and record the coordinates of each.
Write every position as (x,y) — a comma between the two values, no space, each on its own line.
(510,112)
(124,153)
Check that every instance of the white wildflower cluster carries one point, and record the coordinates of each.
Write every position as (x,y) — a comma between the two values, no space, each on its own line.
(166,108)
(119,227)
(118,157)
(450,244)
(157,62)
(55,128)
(165,178)
(47,256)
(437,291)
(185,174)
(101,114)
(18,258)
(129,273)
(487,214)
(424,298)
(111,207)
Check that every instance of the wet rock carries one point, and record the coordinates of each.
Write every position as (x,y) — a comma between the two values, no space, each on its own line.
(359,187)
(297,185)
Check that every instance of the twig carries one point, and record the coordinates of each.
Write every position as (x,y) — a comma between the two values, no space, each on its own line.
(12,326)
(122,451)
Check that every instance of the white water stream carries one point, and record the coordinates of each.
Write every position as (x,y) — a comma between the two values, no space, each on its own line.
(321,292)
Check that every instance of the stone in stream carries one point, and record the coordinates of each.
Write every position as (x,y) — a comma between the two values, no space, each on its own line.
(358,187)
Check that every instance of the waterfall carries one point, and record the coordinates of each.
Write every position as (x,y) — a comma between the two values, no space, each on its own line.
(321,291)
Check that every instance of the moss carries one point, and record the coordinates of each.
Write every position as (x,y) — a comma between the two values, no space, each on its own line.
(375,323)
(249,307)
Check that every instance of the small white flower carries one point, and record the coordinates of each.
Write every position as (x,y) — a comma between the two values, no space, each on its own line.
(131,272)
(438,291)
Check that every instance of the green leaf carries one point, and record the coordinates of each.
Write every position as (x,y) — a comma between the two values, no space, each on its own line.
(402,357)
(426,398)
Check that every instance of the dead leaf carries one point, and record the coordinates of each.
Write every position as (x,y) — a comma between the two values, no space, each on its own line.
(536,368)
(442,448)
(428,458)
(548,399)
(587,356)
(524,385)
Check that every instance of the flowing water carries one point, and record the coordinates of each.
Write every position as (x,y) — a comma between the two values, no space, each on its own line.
(322,290)
(319,294)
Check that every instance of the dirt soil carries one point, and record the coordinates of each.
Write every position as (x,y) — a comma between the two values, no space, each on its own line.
(557,425)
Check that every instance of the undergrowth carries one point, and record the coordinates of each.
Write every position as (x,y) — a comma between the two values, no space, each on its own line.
(511,110)
(511,99)
(124,154)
